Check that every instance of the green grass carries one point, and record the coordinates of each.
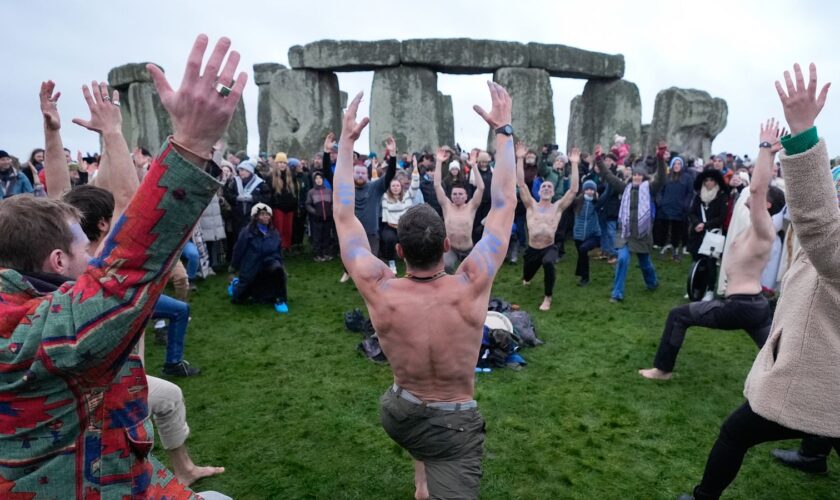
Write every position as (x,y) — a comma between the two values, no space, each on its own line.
(290,409)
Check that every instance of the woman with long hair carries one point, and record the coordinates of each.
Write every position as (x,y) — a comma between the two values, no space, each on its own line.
(395,202)
(285,189)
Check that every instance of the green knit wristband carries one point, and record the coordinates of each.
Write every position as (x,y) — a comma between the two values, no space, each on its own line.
(800,142)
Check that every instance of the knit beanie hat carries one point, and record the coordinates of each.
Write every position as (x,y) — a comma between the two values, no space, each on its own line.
(281,157)
(674,160)
(590,184)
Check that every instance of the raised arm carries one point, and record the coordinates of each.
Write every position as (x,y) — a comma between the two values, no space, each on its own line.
(365,269)
(524,191)
(760,218)
(811,196)
(326,163)
(574,187)
(483,262)
(117,172)
(478,194)
(56,174)
(101,316)
(443,200)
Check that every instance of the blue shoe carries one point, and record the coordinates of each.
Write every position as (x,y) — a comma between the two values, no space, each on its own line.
(281,307)
(231,286)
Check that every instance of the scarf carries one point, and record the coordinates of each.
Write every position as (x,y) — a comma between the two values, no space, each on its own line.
(642,210)
(707,195)
(244,192)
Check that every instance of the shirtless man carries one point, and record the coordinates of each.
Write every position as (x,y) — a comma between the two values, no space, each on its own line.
(429,410)
(542,219)
(458,214)
(743,307)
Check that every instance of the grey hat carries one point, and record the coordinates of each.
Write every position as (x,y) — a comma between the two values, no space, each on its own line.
(249,165)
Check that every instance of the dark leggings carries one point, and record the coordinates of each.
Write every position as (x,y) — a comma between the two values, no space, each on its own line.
(583,248)
(544,257)
(742,430)
(736,312)
(267,287)
(388,235)
(674,232)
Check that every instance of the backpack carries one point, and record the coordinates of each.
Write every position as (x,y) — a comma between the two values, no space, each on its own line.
(371,349)
(524,328)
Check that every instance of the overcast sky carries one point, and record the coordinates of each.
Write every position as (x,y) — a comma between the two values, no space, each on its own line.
(733,50)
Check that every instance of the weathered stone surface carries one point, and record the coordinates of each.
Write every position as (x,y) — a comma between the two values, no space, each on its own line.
(262,77)
(463,55)
(342,99)
(688,120)
(345,55)
(236,135)
(569,62)
(446,121)
(123,76)
(533,113)
(264,71)
(404,102)
(304,107)
(645,136)
(147,123)
(605,109)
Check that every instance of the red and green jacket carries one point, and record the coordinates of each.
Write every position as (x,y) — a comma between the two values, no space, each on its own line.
(74,418)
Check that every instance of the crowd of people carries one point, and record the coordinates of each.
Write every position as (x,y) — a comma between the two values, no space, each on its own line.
(97,239)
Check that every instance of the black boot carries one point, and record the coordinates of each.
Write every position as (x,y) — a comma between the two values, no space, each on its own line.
(817,464)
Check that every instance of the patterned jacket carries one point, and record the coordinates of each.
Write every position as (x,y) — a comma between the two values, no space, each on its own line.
(74,419)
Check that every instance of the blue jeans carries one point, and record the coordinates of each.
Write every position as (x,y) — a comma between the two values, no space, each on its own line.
(607,236)
(190,252)
(178,314)
(621,266)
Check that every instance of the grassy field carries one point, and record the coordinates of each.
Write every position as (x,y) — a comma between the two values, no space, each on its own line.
(289,407)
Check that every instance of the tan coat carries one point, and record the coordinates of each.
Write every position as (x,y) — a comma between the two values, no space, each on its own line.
(795,380)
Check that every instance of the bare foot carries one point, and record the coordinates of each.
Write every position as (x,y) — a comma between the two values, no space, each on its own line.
(195,473)
(656,374)
(546,305)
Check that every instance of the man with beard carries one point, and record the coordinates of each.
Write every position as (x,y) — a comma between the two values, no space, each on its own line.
(458,215)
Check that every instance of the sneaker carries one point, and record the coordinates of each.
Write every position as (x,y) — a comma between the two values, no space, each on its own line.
(232,286)
(583,282)
(344,278)
(281,307)
(318,258)
(615,300)
(709,296)
(665,249)
(612,260)
(180,369)
(160,324)
(327,258)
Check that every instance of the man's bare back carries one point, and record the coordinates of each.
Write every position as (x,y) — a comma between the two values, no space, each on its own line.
(431,333)
(748,255)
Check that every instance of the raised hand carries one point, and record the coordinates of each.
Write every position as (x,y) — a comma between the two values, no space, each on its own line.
(800,103)
(391,146)
(521,150)
(574,155)
(350,128)
(105,116)
(500,113)
(200,113)
(440,155)
(329,142)
(770,133)
(49,105)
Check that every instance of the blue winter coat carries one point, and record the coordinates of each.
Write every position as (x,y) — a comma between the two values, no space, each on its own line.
(675,197)
(586,220)
(18,183)
(253,249)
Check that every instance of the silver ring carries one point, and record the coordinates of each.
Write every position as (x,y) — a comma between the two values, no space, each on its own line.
(223,90)
(116,103)
(106,98)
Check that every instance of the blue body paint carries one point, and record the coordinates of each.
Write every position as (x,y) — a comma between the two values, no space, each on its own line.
(346,194)
(485,250)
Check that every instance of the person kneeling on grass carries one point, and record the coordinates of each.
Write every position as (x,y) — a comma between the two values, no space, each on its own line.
(259,260)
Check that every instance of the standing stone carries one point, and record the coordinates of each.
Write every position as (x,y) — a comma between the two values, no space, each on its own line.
(446,121)
(345,55)
(645,137)
(606,108)
(464,56)
(568,62)
(688,119)
(303,108)
(405,103)
(533,112)
(145,122)
(262,77)
(236,135)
